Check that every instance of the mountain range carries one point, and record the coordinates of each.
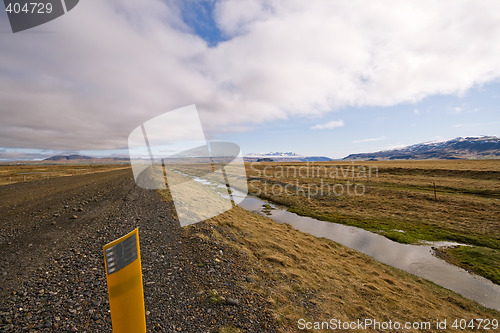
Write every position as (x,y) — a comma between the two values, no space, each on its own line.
(458,148)
(82,159)
(283,157)
(68,158)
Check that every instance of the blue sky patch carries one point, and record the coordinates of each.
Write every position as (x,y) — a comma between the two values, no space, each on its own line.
(199,15)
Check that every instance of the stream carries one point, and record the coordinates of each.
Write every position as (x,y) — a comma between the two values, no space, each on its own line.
(415,259)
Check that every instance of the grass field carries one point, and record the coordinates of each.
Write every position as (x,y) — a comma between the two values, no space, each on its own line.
(406,201)
(10,174)
(315,279)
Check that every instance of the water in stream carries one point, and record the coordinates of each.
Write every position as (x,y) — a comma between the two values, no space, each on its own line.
(415,259)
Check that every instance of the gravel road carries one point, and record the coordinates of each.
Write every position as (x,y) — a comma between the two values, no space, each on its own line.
(52,275)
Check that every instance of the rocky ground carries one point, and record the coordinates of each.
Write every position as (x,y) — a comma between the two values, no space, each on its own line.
(52,275)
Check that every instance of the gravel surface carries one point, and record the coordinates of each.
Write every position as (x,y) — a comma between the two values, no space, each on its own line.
(52,273)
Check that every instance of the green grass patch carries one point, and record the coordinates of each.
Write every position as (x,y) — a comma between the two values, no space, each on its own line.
(413,231)
(480,260)
(215,298)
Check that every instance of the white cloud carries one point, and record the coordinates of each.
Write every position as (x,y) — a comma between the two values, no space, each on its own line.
(329,125)
(17,154)
(108,66)
(237,17)
(457,110)
(370,140)
(473,125)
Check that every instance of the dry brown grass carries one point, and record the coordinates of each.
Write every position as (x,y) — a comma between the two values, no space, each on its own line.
(398,195)
(481,165)
(10,174)
(317,279)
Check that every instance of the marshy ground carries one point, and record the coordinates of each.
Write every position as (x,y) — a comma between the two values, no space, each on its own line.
(406,201)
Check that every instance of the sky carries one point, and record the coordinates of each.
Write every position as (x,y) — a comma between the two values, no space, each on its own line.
(316,77)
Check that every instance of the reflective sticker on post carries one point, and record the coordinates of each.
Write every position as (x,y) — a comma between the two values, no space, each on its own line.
(121,254)
(122,261)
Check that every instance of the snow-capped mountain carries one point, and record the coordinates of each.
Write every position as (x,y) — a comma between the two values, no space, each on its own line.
(458,148)
(274,154)
(283,157)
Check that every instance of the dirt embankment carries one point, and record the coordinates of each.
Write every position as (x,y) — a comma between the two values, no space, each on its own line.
(52,274)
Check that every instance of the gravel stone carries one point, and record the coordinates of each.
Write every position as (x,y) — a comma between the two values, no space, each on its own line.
(59,284)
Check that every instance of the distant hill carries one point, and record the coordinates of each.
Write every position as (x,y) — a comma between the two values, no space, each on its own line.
(68,158)
(458,148)
(284,157)
(82,159)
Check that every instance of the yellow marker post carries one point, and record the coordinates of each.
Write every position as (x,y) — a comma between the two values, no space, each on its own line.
(122,261)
